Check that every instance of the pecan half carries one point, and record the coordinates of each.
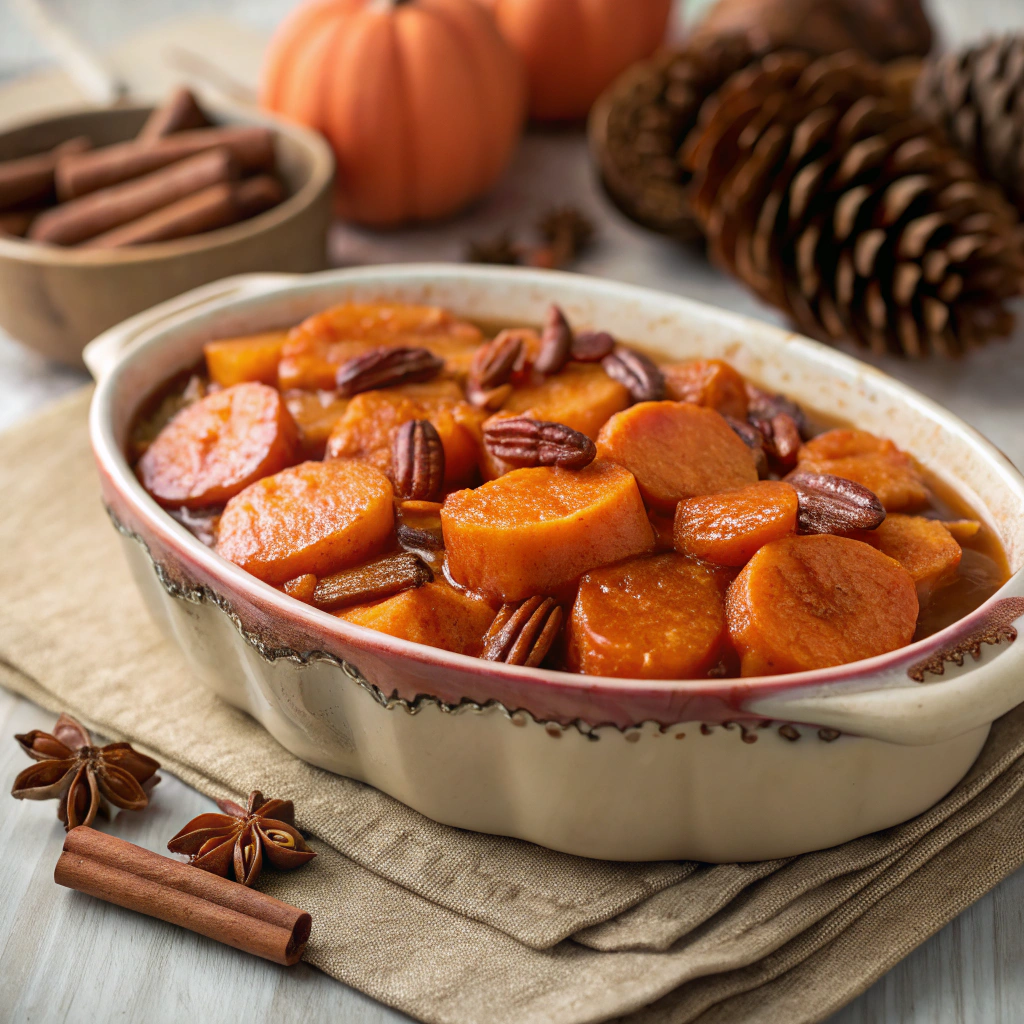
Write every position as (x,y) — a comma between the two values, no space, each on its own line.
(556,342)
(522,634)
(491,399)
(781,438)
(522,441)
(592,346)
(763,405)
(642,379)
(384,367)
(494,361)
(417,461)
(753,439)
(381,578)
(832,504)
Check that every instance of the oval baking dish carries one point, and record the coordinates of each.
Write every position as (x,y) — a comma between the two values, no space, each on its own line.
(709,769)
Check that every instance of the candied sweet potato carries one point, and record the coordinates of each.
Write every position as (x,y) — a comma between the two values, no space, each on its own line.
(676,450)
(315,414)
(315,349)
(709,382)
(924,547)
(236,360)
(217,446)
(367,428)
(317,517)
(581,396)
(435,614)
(727,529)
(653,617)
(816,601)
(872,461)
(533,531)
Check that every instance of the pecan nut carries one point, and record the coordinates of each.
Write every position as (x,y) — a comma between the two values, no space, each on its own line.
(385,366)
(592,346)
(523,633)
(556,342)
(494,361)
(781,438)
(763,405)
(491,399)
(832,504)
(381,578)
(753,439)
(417,461)
(523,441)
(641,378)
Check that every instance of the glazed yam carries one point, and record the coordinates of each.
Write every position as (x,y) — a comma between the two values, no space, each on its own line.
(924,547)
(315,413)
(236,360)
(872,461)
(216,447)
(727,529)
(435,614)
(534,531)
(816,601)
(676,450)
(315,349)
(654,617)
(708,382)
(317,517)
(581,396)
(368,426)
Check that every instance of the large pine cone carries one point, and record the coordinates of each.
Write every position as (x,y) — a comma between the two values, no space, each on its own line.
(638,125)
(977,95)
(823,196)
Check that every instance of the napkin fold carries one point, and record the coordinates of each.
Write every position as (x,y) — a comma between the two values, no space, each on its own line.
(455,927)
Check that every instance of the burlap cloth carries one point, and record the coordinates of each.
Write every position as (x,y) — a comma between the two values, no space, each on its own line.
(452,926)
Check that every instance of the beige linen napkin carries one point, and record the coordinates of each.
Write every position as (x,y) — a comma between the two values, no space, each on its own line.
(452,926)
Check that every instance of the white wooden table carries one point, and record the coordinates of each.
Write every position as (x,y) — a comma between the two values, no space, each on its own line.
(66,957)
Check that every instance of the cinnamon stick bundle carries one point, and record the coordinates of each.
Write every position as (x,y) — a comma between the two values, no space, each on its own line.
(251,146)
(30,179)
(180,112)
(109,208)
(119,872)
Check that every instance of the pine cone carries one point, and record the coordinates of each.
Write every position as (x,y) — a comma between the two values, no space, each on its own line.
(638,125)
(977,95)
(816,190)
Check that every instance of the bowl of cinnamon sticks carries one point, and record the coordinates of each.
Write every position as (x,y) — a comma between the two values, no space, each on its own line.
(104,213)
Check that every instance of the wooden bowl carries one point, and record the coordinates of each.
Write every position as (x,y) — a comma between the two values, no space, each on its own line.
(55,300)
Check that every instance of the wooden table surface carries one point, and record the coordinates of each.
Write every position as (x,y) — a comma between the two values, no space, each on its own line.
(67,957)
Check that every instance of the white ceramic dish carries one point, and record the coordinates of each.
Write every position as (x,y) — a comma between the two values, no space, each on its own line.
(609,768)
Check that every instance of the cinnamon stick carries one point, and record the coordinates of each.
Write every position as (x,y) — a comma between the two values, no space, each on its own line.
(117,871)
(30,179)
(109,208)
(212,208)
(180,112)
(251,146)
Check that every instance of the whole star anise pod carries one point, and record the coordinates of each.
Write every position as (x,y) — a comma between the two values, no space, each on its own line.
(238,838)
(82,777)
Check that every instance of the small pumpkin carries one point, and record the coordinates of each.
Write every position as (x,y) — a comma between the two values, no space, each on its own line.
(574,48)
(422,100)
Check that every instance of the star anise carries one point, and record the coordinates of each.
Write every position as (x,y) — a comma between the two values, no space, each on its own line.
(237,839)
(82,777)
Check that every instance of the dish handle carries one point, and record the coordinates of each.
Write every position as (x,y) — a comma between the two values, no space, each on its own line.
(952,698)
(103,352)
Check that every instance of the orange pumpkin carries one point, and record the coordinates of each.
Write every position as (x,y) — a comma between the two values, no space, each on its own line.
(422,101)
(574,48)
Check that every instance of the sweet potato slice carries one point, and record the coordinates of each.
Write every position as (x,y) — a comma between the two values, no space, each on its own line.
(368,427)
(435,614)
(533,531)
(812,602)
(216,447)
(235,360)
(676,450)
(708,382)
(581,396)
(315,349)
(726,529)
(653,617)
(924,547)
(872,461)
(317,517)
